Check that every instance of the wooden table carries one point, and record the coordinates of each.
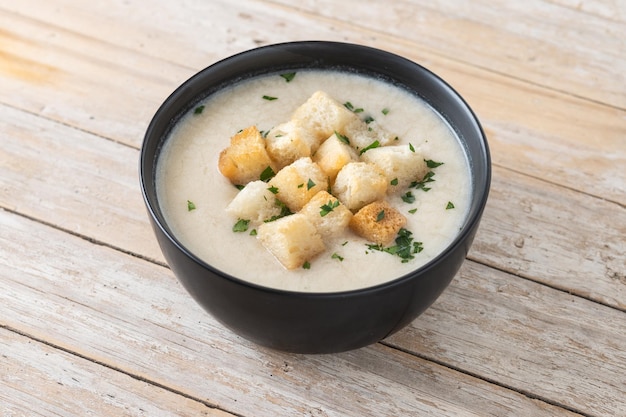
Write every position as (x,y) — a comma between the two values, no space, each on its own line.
(93,323)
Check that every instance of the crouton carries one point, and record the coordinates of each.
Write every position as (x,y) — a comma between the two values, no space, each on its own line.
(246,158)
(327,214)
(288,142)
(333,154)
(293,240)
(255,202)
(323,115)
(362,134)
(360,183)
(400,163)
(378,222)
(298,182)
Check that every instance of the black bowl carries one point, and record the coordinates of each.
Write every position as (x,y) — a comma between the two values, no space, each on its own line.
(317,322)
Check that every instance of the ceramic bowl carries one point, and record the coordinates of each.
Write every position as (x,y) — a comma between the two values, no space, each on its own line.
(316,322)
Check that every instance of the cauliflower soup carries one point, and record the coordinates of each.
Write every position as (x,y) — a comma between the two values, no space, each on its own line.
(194,196)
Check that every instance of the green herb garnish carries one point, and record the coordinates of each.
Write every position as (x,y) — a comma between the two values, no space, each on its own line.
(421,185)
(412,211)
(288,76)
(405,247)
(408,197)
(267,174)
(411,147)
(241,225)
(380,215)
(394,181)
(372,145)
(253,232)
(337,256)
(273,190)
(342,138)
(310,184)
(269,98)
(306,265)
(328,207)
(450,205)
(198,109)
(432,164)
(368,119)
(284,211)
(190,205)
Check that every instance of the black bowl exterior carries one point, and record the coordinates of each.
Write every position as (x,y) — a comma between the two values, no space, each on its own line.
(314,322)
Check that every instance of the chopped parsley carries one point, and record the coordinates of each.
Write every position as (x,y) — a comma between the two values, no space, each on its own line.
(270,98)
(253,232)
(412,148)
(394,181)
(421,185)
(350,107)
(273,190)
(284,211)
(198,109)
(190,205)
(385,111)
(337,256)
(310,184)
(408,198)
(368,119)
(432,164)
(241,225)
(306,265)
(342,138)
(267,174)
(380,215)
(404,247)
(328,207)
(412,211)
(288,76)
(450,205)
(372,145)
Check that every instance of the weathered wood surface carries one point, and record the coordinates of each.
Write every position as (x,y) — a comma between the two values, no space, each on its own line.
(93,323)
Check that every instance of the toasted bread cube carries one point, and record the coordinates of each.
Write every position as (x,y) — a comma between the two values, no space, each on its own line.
(362,134)
(323,115)
(327,214)
(255,202)
(298,182)
(360,183)
(246,158)
(400,163)
(288,142)
(333,154)
(378,222)
(293,240)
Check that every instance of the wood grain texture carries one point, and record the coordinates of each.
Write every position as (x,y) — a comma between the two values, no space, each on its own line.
(131,314)
(40,380)
(93,323)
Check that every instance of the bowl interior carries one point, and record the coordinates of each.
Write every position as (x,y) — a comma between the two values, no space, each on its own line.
(321,55)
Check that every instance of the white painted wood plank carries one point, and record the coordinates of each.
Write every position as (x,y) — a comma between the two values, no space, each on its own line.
(39,380)
(133,316)
(559,137)
(526,336)
(556,47)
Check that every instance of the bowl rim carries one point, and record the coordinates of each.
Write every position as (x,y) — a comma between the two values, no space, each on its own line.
(470,223)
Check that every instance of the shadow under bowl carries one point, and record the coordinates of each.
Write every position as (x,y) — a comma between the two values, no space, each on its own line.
(317,322)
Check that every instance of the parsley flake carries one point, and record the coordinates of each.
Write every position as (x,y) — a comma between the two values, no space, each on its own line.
(306,265)
(273,189)
(411,147)
(241,225)
(288,76)
(372,145)
(450,205)
(198,109)
(368,119)
(190,205)
(405,248)
(310,184)
(270,98)
(385,111)
(394,181)
(380,215)
(328,207)
(342,138)
(267,174)
(432,164)
(408,197)
(337,256)
(412,211)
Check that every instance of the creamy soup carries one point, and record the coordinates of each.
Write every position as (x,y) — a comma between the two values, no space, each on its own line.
(193,194)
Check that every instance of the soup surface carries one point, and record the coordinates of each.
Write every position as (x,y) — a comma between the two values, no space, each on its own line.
(193,194)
